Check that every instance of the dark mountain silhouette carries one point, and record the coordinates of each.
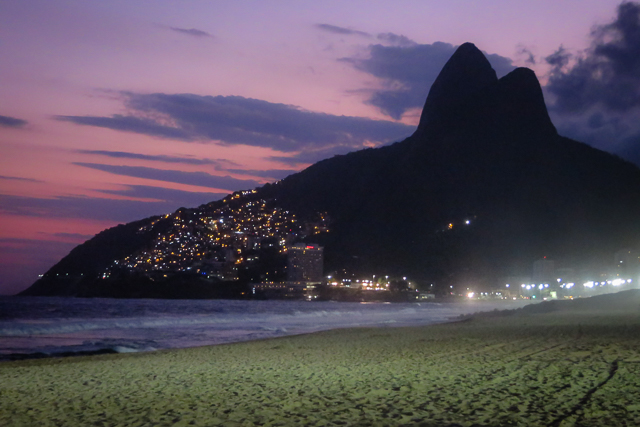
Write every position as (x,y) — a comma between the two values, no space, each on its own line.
(484,187)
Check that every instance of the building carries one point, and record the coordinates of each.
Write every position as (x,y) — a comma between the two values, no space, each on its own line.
(305,263)
(285,290)
(544,271)
(627,263)
(513,286)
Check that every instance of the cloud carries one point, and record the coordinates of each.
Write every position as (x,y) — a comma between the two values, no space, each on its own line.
(236,120)
(95,208)
(222,165)
(595,94)
(608,73)
(201,179)
(341,30)
(160,201)
(129,124)
(158,158)
(11,122)
(78,237)
(268,173)
(307,157)
(169,195)
(408,71)
(396,39)
(191,32)
(17,178)
(529,57)
(558,59)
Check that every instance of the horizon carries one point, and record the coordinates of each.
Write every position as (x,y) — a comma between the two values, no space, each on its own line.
(103,124)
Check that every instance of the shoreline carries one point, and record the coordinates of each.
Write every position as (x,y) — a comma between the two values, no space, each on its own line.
(91,330)
(563,367)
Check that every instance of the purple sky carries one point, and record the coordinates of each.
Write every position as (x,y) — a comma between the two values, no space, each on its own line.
(111,111)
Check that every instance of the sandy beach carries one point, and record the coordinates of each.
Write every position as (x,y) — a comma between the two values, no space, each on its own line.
(563,364)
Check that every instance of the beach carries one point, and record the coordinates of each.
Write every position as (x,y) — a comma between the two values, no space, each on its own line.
(564,364)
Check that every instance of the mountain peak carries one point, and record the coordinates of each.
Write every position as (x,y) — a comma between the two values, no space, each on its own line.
(465,74)
(522,101)
(468,95)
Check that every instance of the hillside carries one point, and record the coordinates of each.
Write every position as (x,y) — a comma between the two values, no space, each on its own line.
(484,187)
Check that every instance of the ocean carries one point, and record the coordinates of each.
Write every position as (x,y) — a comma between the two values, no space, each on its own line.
(50,326)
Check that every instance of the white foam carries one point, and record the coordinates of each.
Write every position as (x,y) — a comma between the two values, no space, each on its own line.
(146,325)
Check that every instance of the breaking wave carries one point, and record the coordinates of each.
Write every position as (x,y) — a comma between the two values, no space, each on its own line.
(67,326)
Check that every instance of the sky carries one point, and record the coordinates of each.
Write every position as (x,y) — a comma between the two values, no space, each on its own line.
(112,111)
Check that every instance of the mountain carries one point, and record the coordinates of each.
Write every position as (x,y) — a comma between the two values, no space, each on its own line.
(484,187)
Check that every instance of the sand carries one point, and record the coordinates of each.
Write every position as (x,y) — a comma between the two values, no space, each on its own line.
(559,368)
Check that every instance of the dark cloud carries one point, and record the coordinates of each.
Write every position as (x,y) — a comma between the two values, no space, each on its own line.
(16,178)
(95,208)
(15,241)
(558,59)
(595,94)
(396,39)
(161,201)
(307,157)
(222,165)
(130,124)
(158,158)
(340,30)
(407,72)
(201,179)
(269,173)
(191,32)
(169,195)
(11,122)
(607,74)
(237,120)
(529,57)
(73,236)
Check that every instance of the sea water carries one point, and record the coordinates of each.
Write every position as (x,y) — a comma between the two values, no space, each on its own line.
(54,326)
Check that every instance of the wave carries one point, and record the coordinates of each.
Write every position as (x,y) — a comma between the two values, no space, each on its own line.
(65,326)
(79,327)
